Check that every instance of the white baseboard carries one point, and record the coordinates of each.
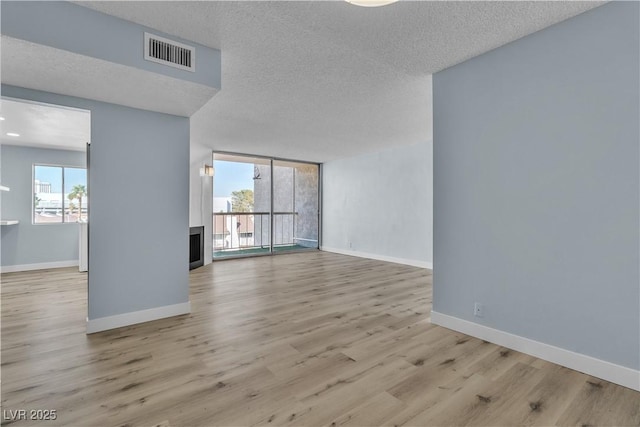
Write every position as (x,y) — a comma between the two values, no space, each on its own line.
(39,266)
(589,365)
(132,318)
(411,262)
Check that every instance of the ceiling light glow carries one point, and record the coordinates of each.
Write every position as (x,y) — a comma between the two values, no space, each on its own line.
(12,134)
(1,119)
(371,3)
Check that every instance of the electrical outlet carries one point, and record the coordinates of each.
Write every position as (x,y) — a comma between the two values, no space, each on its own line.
(478,310)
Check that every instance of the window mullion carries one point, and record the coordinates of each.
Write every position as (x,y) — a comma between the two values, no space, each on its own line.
(62,193)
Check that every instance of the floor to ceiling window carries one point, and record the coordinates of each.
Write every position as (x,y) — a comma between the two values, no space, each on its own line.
(263,205)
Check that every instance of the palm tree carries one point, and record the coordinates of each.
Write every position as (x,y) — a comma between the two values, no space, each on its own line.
(72,208)
(78,192)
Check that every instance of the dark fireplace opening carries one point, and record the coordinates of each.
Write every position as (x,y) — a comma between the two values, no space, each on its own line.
(196,247)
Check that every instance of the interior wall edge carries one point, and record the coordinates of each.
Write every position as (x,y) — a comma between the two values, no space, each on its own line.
(38,266)
(135,317)
(414,263)
(599,368)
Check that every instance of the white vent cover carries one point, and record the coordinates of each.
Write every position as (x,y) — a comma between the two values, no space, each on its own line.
(169,52)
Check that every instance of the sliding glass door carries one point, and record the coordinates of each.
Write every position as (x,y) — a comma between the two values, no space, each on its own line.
(263,206)
(295,205)
(241,208)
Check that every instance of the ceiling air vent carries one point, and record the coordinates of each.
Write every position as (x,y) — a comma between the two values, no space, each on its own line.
(169,52)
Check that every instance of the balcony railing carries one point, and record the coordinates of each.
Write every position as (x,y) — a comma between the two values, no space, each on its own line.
(233,231)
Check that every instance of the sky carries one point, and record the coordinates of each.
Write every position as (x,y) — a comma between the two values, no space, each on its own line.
(53,175)
(231,176)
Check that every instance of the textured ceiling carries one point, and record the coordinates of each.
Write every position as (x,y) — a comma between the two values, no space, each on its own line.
(45,126)
(35,66)
(320,80)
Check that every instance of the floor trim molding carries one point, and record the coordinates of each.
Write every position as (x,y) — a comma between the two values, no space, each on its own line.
(617,374)
(413,263)
(38,266)
(127,319)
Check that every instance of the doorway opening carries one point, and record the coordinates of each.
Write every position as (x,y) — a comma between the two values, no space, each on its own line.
(45,209)
(45,203)
(264,205)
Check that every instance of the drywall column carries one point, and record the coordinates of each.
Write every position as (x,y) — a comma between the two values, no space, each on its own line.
(139,218)
(536,193)
(139,214)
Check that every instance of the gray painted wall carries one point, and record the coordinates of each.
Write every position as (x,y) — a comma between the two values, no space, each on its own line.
(28,243)
(380,203)
(139,214)
(536,186)
(74,28)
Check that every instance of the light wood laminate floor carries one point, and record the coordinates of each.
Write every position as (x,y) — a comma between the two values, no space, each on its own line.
(307,339)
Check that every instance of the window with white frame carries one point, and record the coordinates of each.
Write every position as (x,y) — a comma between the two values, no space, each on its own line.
(59,194)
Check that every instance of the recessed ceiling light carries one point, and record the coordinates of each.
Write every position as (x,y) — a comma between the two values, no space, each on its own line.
(12,134)
(1,119)
(371,3)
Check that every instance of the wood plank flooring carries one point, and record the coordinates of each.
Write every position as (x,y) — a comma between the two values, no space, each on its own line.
(310,339)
